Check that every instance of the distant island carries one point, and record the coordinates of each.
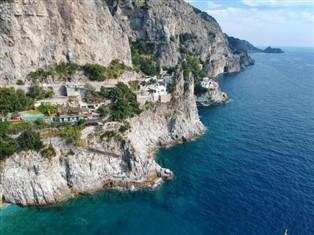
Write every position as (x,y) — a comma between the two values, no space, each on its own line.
(253,49)
(273,50)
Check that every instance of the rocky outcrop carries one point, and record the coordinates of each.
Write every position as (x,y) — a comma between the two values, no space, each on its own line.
(273,50)
(213,96)
(252,49)
(38,33)
(168,123)
(28,178)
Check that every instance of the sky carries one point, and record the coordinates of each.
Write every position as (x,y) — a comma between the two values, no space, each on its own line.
(276,23)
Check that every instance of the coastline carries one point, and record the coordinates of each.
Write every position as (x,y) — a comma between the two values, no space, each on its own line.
(112,183)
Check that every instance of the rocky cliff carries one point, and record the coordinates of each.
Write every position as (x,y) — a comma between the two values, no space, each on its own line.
(40,33)
(28,178)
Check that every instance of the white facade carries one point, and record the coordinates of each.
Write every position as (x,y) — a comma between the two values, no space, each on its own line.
(158,90)
(207,83)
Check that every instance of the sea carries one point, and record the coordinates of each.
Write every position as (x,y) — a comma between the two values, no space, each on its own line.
(252,172)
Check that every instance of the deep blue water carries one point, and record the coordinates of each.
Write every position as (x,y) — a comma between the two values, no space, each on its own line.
(252,172)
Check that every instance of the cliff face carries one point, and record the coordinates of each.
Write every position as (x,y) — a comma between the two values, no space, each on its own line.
(174,25)
(29,179)
(39,33)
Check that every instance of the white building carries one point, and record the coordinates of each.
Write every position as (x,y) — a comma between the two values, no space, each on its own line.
(208,83)
(157,90)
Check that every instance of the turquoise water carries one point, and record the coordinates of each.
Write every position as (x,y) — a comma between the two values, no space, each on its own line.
(252,172)
(30,117)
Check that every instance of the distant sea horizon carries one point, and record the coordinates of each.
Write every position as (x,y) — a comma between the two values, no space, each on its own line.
(250,173)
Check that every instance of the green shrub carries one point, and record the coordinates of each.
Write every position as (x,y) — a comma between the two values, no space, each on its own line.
(40,124)
(126,126)
(36,75)
(15,128)
(185,37)
(48,109)
(94,72)
(30,140)
(109,135)
(171,87)
(20,82)
(192,65)
(72,134)
(134,84)
(48,152)
(71,152)
(38,92)
(144,56)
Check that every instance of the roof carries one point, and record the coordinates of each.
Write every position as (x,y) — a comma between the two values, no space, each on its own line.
(92,121)
(93,99)
(75,109)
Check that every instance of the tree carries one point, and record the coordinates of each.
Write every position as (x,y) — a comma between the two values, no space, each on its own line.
(36,92)
(103,110)
(89,90)
(48,109)
(49,92)
(104,92)
(124,102)
(30,140)
(8,146)
(11,101)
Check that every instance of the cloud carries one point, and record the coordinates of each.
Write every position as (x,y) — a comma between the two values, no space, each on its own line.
(213,5)
(278,3)
(270,26)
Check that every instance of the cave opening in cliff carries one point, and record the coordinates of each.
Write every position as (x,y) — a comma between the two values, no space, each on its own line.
(226,70)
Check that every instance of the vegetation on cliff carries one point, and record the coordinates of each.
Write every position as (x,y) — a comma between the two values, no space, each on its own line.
(12,100)
(124,102)
(37,92)
(27,140)
(66,70)
(144,56)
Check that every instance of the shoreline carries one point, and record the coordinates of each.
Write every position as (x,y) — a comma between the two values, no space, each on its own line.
(150,182)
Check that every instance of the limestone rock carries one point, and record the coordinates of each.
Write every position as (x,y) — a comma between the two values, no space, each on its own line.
(39,33)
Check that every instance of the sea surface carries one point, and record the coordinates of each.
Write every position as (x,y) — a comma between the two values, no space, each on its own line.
(252,172)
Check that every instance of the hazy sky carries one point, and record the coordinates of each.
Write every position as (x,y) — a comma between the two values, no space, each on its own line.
(264,22)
